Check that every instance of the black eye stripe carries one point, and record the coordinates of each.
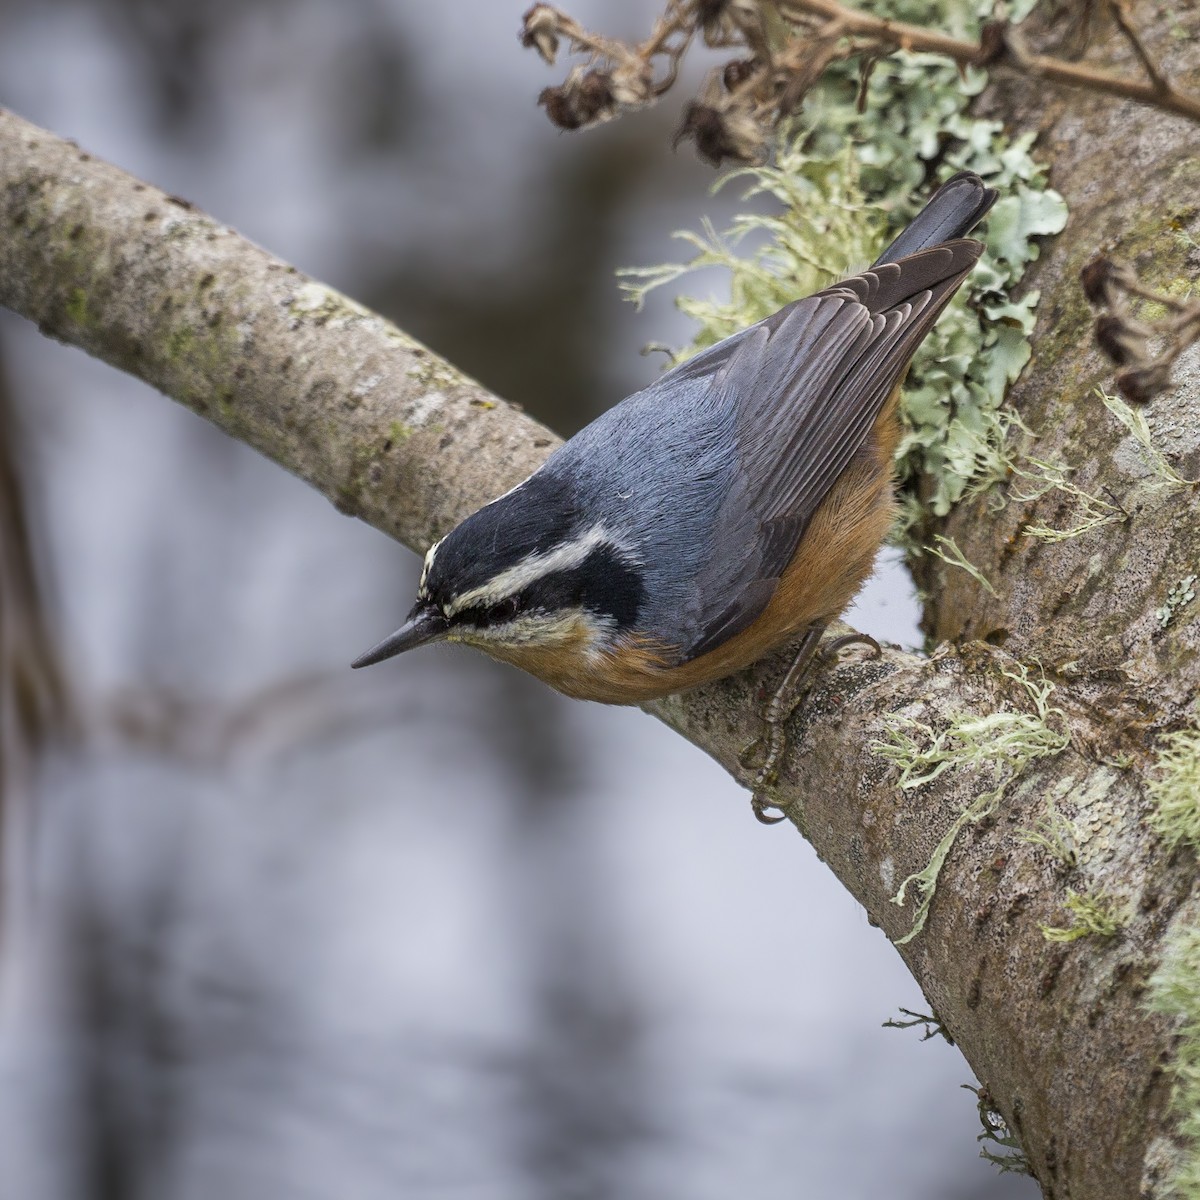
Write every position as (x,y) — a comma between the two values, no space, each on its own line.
(482,616)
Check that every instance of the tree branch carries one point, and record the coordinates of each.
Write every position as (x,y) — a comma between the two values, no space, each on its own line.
(765,83)
(333,393)
(391,433)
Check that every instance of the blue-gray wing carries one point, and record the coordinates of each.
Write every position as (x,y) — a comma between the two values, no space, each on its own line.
(805,387)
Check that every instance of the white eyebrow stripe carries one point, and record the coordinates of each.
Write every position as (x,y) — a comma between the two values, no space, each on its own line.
(429,557)
(536,566)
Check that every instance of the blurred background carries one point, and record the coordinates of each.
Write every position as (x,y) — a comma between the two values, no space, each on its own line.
(272,929)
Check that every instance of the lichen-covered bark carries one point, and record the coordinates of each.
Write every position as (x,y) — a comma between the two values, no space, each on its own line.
(1057,1031)
(1096,611)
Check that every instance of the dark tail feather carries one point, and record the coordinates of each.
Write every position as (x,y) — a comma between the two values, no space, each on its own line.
(952,212)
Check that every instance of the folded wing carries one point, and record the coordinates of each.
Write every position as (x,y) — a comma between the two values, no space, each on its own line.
(806,384)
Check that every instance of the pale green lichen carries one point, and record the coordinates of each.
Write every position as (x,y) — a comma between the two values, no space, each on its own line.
(1173,787)
(1005,742)
(1034,478)
(1180,595)
(1038,478)
(434,375)
(1057,835)
(845,180)
(324,304)
(1093,914)
(948,551)
(1164,477)
(1174,991)
(77,306)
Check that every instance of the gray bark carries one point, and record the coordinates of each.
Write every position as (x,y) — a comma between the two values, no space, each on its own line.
(1059,1034)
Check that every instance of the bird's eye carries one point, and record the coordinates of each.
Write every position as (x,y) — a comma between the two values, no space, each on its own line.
(507,609)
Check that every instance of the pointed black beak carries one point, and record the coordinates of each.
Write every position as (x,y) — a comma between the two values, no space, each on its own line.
(423,625)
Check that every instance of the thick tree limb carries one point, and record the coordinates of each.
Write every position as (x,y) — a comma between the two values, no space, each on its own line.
(1057,1032)
(330,391)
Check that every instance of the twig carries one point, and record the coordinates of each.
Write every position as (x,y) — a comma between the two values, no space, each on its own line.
(1121,16)
(746,97)
(1010,50)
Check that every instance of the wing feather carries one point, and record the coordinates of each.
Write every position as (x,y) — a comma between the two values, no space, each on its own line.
(806,385)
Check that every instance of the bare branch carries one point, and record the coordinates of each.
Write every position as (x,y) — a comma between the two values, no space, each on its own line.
(740,105)
(331,391)
(1121,16)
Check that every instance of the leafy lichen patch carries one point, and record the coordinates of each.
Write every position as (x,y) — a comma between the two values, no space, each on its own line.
(1181,594)
(1035,478)
(316,302)
(1162,475)
(1173,788)
(77,306)
(1093,914)
(844,181)
(422,407)
(1056,835)
(947,549)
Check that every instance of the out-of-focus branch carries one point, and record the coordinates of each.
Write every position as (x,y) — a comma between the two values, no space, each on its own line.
(34,701)
(780,50)
(1002,45)
(332,392)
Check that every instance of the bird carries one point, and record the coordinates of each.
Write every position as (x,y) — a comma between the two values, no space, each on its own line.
(734,504)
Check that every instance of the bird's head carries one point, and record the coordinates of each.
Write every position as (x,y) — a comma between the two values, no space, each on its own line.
(527,572)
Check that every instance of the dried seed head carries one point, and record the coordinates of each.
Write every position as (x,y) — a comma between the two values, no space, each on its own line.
(632,82)
(1116,340)
(728,22)
(721,133)
(540,27)
(1140,385)
(585,98)
(1103,279)
(710,18)
(737,71)
(1095,278)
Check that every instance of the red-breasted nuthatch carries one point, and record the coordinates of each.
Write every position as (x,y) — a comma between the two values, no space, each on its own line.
(736,502)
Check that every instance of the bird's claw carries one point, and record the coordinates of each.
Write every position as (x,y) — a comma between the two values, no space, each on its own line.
(850,639)
(753,756)
(765,778)
(774,740)
(759,806)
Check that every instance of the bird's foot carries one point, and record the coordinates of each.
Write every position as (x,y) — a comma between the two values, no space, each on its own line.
(783,703)
(779,708)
